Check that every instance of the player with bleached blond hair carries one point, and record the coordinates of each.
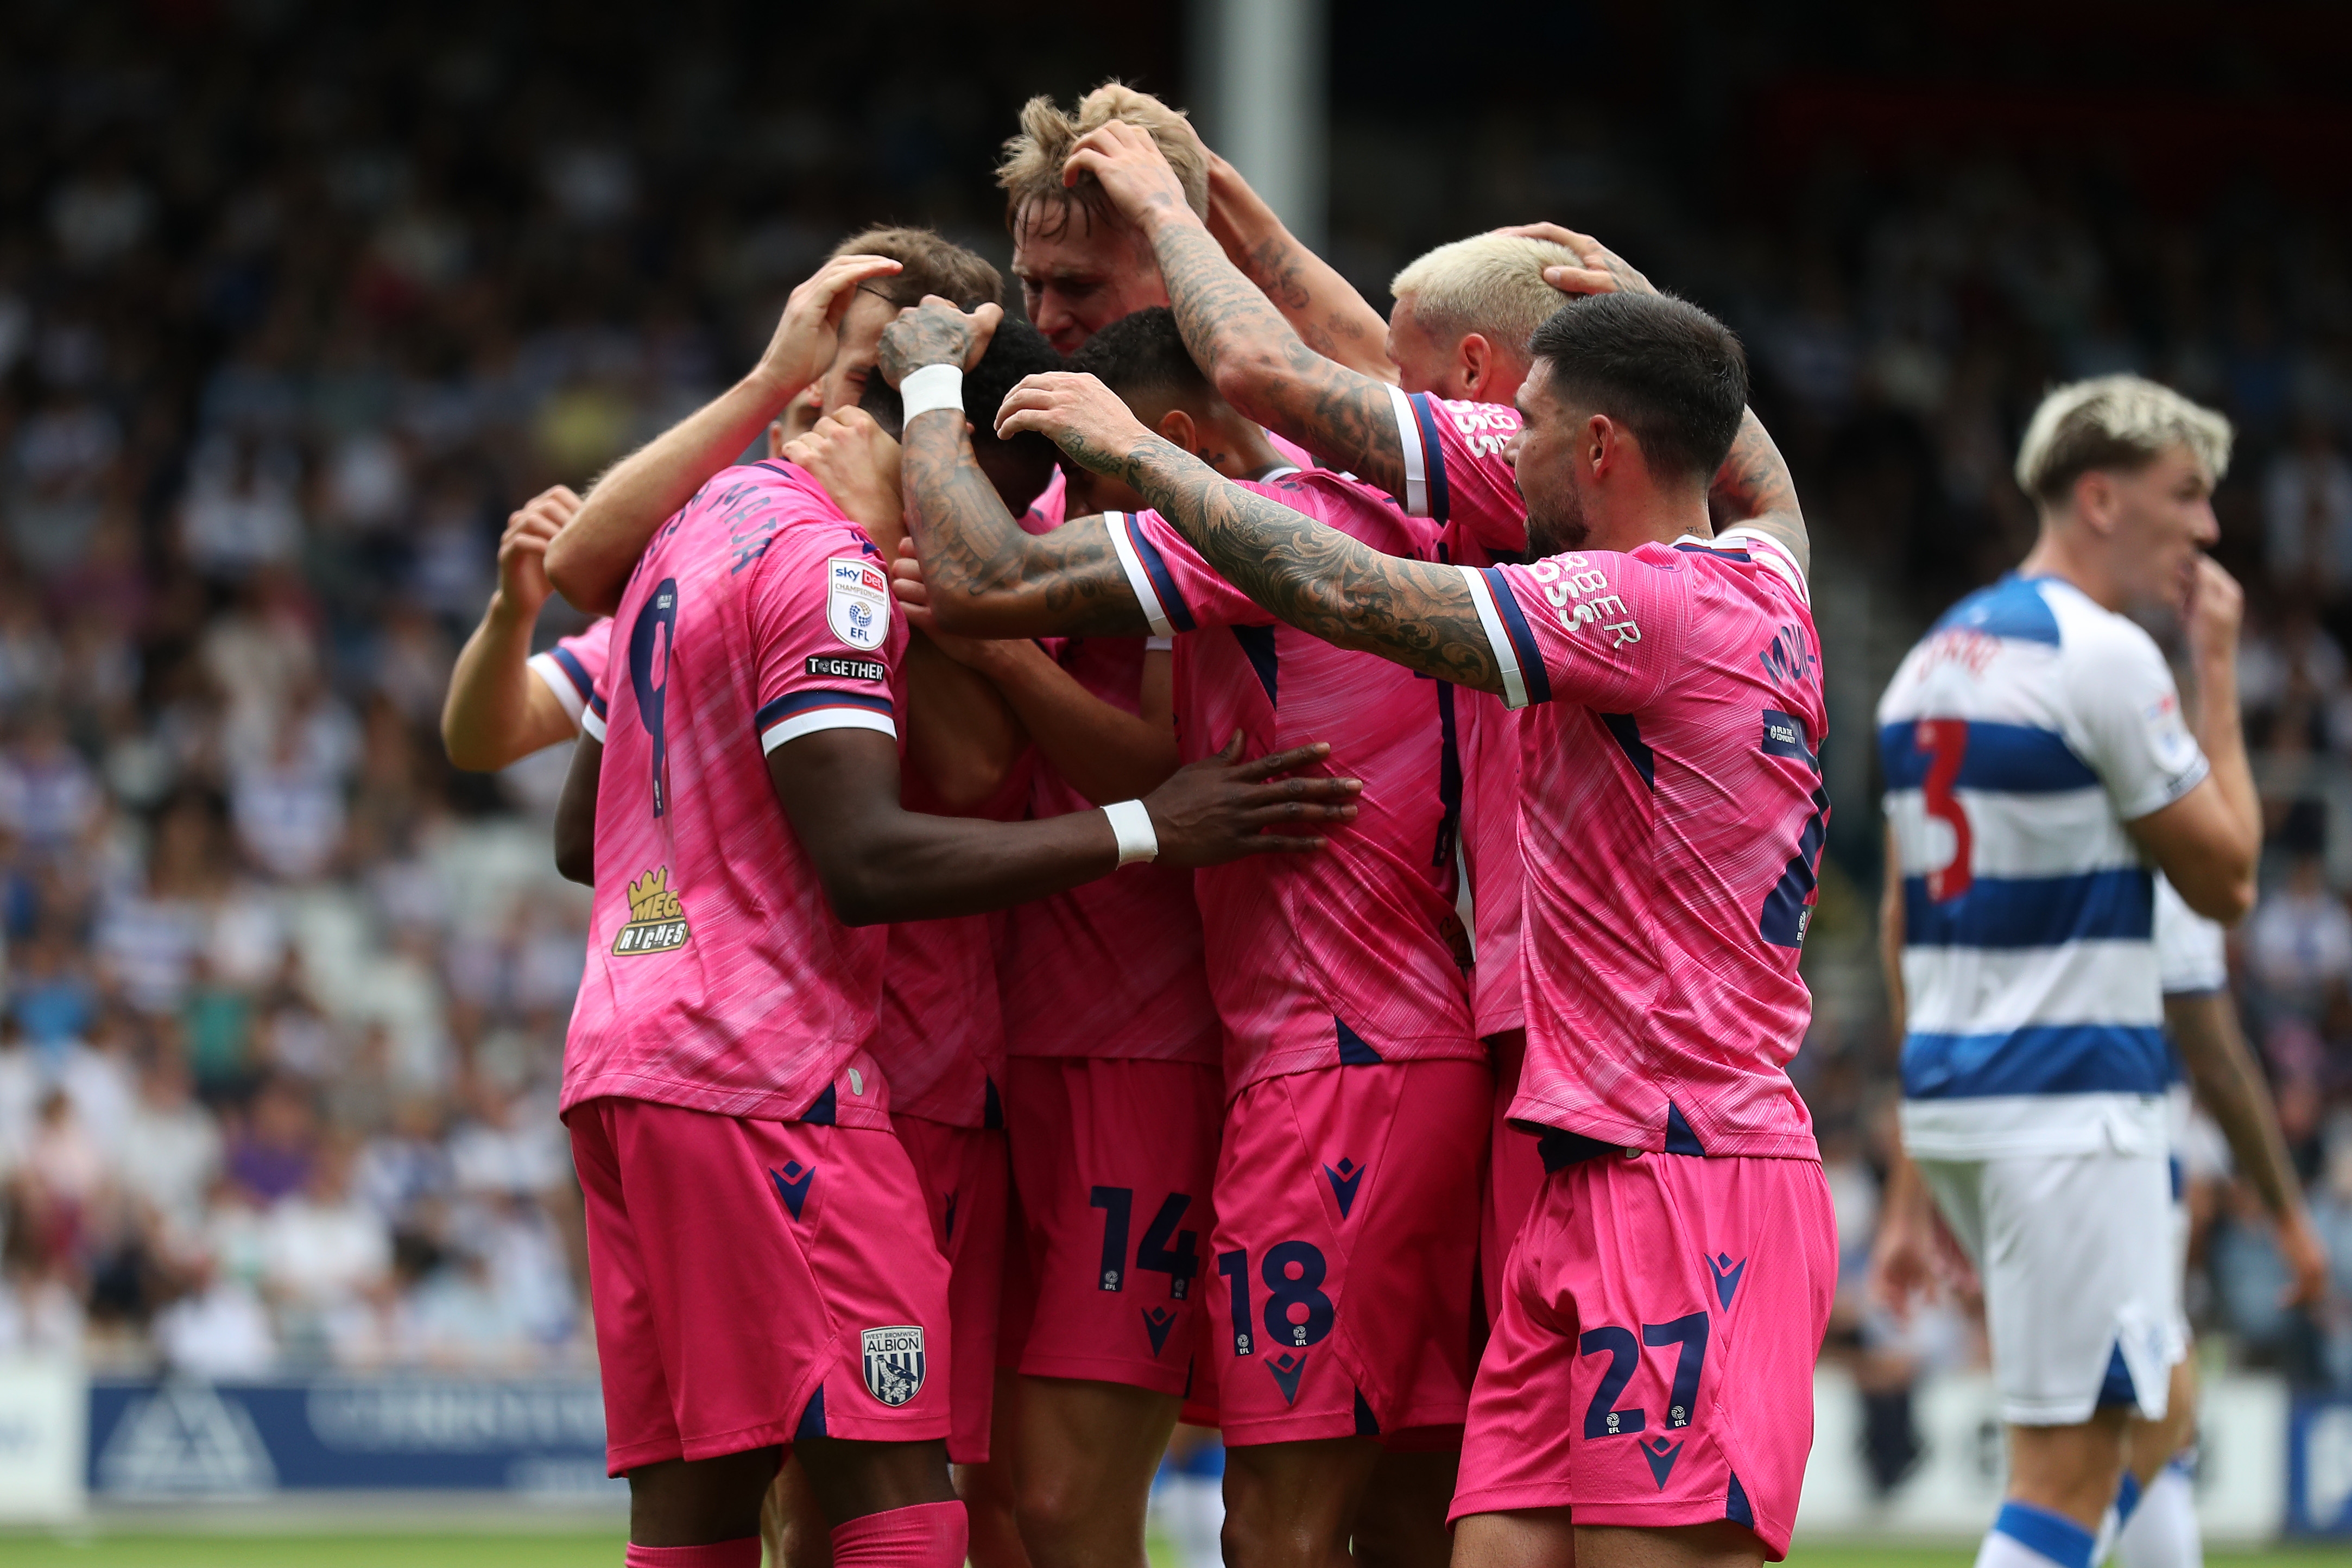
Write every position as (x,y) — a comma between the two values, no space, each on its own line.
(2041,772)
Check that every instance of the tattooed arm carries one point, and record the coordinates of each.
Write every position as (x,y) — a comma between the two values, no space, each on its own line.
(1330,316)
(1753,489)
(988,576)
(1311,575)
(1257,362)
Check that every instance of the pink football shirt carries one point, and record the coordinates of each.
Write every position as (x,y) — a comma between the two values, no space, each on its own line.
(1671,820)
(1357,954)
(1112,968)
(1457,475)
(717,977)
(574,666)
(941,1042)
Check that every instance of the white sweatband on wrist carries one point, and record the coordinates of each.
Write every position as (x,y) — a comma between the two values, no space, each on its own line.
(933,386)
(1131,824)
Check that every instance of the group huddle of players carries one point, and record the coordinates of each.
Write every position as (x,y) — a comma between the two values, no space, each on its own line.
(1204,855)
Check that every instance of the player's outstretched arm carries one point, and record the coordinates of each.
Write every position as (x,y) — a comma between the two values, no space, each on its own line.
(1322,307)
(988,576)
(2208,840)
(497,710)
(1106,752)
(590,560)
(1311,575)
(879,862)
(1243,345)
(2232,1089)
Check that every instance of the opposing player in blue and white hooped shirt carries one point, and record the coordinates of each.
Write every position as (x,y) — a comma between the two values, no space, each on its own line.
(2040,771)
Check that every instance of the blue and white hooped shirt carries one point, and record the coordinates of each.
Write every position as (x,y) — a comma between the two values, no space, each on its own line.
(2019,737)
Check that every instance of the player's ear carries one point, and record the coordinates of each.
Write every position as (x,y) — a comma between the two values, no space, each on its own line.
(1177,427)
(776,438)
(1473,360)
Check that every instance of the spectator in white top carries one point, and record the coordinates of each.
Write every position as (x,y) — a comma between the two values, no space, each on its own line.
(218,1330)
(173,1152)
(2299,944)
(323,1247)
(289,816)
(241,511)
(2308,512)
(48,793)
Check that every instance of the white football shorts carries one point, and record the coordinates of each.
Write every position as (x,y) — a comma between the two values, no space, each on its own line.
(2080,1271)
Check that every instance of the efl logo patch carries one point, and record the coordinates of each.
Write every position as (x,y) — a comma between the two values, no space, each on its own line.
(894,1364)
(848,668)
(856,600)
(656,919)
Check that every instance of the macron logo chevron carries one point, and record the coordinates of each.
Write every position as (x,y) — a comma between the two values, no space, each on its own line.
(1662,1458)
(793,1185)
(1287,1369)
(1343,1183)
(1157,1321)
(1727,1275)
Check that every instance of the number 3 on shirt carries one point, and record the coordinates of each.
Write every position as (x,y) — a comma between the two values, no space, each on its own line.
(1946,742)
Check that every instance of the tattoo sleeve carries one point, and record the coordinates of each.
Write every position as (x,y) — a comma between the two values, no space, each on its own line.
(1314,576)
(1753,489)
(987,576)
(1261,366)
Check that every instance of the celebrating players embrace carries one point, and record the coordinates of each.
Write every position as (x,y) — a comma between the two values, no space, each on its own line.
(1213,857)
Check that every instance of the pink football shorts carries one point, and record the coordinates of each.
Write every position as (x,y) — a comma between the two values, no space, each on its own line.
(756,1282)
(963,1176)
(1112,1161)
(1347,1244)
(1513,1178)
(1653,1363)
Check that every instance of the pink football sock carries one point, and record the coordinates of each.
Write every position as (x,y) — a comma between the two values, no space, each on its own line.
(929,1535)
(741,1554)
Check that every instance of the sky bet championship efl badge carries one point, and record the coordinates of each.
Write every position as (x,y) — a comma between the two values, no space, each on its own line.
(656,919)
(894,1365)
(857,601)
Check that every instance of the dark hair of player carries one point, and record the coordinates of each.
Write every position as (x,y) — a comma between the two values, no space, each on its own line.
(1665,369)
(1143,354)
(1018,468)
(929,263)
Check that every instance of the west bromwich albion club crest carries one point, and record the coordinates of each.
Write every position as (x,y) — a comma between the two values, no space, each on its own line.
(856,600)
(894,1364)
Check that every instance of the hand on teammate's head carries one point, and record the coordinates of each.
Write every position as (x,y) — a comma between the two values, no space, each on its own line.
(810,328)
(1600,269)
(935,332)
(1076,413)
(1134,173)
(522,548)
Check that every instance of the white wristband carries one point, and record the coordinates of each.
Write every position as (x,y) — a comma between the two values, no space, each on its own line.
(933,386)
(1131,824)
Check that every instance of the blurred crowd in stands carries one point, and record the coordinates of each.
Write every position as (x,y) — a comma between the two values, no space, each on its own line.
(293,311)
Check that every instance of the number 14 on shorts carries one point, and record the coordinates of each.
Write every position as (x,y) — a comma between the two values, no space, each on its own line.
(1180,1262)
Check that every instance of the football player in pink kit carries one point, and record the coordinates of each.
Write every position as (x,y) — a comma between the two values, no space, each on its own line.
(1650,1369)
(1421,405)
(719,1085)
(1338,1275)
